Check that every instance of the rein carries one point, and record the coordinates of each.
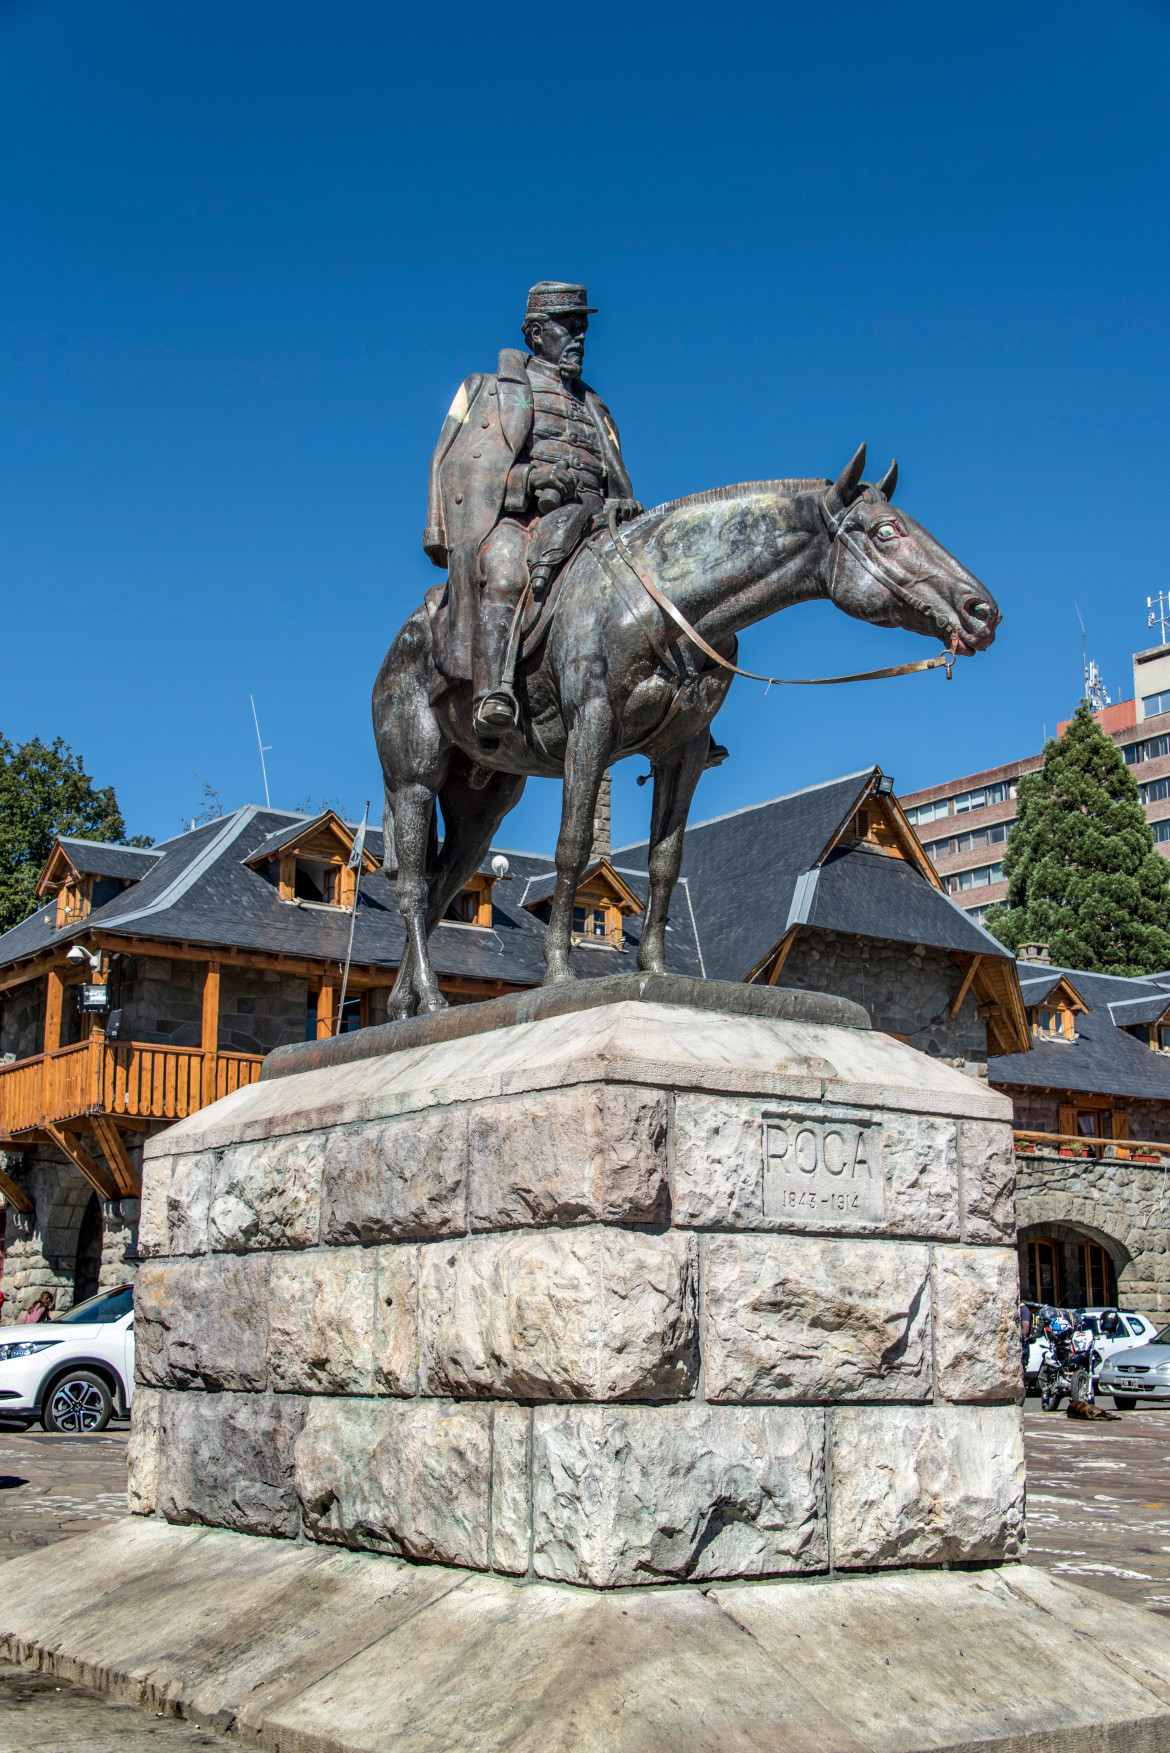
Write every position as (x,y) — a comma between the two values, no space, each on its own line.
(945,658)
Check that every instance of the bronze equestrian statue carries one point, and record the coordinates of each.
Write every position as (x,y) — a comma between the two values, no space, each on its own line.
(547,651)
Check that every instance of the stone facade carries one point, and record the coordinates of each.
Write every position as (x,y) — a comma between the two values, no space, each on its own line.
(906,988)
(637,1295)
(73,1243)
(161,1000)
(1121,1204)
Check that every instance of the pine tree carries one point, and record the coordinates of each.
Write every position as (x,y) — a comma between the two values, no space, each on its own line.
(1083,875)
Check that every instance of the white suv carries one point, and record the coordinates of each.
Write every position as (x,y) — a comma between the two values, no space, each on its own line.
(72,1373)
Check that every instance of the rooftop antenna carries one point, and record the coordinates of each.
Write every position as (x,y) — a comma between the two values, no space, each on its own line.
(264,748)
(1160,616)
(1094,685)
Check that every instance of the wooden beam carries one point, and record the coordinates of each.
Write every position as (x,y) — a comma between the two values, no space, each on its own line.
(102,1183)
(325,1012)
(14,1195)
(114,1151)
(780,958)
(209,1039)
(965,984)
(54,999)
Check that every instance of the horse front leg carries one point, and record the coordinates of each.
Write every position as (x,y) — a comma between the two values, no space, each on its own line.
(589,752)
(674,787)
(416,987)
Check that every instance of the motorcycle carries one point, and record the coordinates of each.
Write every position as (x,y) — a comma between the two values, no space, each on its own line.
(1068,1363)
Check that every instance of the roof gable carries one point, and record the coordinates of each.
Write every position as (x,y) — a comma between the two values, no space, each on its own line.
(324,837)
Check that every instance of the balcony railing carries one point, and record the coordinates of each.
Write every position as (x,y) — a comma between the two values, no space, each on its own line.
(130,1079)
(1072,1144)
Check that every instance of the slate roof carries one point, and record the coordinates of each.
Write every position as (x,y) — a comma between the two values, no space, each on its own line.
(99,858)
(1103,1059)
(757,871)
(196,889)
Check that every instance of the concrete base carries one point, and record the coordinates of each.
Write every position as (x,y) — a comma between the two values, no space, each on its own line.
(299,1649)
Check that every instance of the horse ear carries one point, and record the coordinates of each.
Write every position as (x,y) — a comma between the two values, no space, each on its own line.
(848,481)
(889,480)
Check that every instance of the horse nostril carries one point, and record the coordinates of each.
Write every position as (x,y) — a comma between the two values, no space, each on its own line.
(977,611)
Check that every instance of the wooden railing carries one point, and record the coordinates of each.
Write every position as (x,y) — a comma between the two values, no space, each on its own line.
(136,1079)
(1078,1144)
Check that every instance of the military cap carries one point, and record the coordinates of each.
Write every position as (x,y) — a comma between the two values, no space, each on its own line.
(557,298)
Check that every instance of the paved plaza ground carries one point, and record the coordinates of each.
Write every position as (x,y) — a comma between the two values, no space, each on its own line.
(1098,1514)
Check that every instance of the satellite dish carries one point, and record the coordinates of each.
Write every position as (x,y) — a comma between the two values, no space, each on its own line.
(500,868)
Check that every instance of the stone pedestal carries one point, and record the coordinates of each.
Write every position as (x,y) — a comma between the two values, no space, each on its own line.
(605,1286)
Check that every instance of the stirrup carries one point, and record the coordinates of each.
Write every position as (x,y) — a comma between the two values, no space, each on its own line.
(495,712)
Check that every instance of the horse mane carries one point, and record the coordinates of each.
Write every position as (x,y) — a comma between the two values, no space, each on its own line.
(711,495)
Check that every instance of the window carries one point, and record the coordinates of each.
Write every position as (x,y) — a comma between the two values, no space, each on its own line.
(928,812)
(994,835)
(978,800)
(351,1017)
(1096,1275)
(1043,1272)
(937,848)
(472,905)
(1151,750)
(1155,704)
(589,922)
(1161,832)
(462,909)
(329,878)
(977,878)
(1055,1021)
(1155,791)
(978,914)
(110,1305)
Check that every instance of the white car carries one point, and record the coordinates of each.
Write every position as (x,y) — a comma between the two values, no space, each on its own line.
(1139,1375)
(74,1371)
(1131,1330)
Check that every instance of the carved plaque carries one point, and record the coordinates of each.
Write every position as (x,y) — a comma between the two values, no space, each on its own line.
(822,1172)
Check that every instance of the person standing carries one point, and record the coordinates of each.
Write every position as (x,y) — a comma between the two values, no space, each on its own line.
(40,1311)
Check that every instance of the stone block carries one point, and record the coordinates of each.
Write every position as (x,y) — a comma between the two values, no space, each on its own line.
(396,1320)
(592,1154)
(202,1323)
(929,1485)
(988,1160)
(176,1198)
(644,1494)
(322,1305)
(411,1478)
(920,1159)
(807,1318)
(268,1194)
(977,1323)
(143,1451)
(511,1479)
(589,1314)
(227,1461)
(398,1180)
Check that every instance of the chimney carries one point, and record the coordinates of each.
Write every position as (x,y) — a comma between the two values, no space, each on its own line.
(601,841)
(1034,952)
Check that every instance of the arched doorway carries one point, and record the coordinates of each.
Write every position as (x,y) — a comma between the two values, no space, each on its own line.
(1070,1266)
(87,1270)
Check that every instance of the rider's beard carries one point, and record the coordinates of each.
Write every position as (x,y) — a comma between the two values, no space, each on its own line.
(570,363)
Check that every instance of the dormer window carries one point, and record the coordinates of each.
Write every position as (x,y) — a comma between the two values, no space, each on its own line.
(1054,1016)
(473,904)
(600,907)
(1053,1023)
(82,875)
(73,902)
(310,863)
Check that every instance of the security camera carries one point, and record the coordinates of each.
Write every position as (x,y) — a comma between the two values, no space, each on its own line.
(78,954)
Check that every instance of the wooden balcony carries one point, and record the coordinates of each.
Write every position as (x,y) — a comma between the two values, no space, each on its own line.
(104,1084)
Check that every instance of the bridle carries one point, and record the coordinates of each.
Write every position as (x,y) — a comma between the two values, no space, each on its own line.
(839,535)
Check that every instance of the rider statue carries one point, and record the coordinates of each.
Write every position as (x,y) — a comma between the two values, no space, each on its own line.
(527,465)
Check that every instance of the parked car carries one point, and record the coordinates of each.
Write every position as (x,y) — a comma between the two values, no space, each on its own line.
(74,1371)
(1131,1330)
(1140,1373)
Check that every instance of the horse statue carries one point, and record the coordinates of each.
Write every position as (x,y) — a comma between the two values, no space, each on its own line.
(604,671)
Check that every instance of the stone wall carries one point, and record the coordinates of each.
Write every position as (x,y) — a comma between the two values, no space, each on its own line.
(908,989)
(41,1248)
(1039,1111)
(1121,1204)
(568,1321)
(22,1020)
(162,1001)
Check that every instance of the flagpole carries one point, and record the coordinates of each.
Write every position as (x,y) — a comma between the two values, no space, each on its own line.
(356,863)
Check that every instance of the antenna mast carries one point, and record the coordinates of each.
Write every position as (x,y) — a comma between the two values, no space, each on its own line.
(264,748)
(1095,692)
(1160,616)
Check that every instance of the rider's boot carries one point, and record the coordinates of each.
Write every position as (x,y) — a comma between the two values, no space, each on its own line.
(495,709)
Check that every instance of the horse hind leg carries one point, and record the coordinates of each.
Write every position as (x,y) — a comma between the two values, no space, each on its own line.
(413,809)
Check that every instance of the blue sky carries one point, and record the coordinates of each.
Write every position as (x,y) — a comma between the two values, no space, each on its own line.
(250,250)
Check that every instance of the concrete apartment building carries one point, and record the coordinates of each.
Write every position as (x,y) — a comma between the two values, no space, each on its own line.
(963,823)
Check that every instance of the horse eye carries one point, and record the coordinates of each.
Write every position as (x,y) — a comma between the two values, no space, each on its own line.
(887,532)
